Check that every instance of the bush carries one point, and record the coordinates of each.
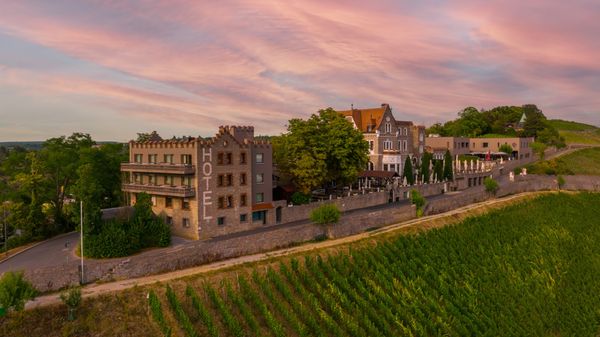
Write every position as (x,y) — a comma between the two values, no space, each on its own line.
(560,180)
(418,200)
(72,299)
(15,291)
(325,214)
(118,238)
(491,185)
(299,198)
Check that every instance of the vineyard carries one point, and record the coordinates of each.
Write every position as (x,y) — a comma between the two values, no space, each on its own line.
(532,269)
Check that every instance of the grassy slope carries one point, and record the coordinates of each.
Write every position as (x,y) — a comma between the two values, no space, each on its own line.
(584,162)
(577,133)
(526,270)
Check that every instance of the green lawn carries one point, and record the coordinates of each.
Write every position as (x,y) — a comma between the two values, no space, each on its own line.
(530,269)
(584,162)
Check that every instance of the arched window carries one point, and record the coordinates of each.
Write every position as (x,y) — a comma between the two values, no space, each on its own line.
(370,166)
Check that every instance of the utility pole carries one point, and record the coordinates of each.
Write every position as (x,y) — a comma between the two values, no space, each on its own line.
(81,237)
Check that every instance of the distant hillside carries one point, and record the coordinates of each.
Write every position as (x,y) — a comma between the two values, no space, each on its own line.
(563,125)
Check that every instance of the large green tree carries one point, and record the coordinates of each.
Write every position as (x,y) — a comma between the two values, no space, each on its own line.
(408,172)
(425,163)
(322,149)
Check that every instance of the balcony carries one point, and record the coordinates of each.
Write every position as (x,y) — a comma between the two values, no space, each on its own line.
(158,168)
(172,191)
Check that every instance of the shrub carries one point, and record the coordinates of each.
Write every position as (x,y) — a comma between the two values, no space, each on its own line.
(491,185)
(15,291)
(299,198)
(560,180)
(325,214)
(72,299)
(418,200)
(506,149)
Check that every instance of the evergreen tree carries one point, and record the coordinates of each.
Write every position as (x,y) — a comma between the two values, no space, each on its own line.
(448,174)
(408,172)
(425,163)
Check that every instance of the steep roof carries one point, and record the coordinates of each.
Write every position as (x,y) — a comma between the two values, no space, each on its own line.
(366,120)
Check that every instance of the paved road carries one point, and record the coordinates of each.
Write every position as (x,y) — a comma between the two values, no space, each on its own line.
(54,252)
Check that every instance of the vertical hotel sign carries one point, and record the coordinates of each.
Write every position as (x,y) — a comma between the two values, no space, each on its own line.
(206,177)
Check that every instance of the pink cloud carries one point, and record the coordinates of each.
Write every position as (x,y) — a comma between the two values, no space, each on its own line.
(247,62)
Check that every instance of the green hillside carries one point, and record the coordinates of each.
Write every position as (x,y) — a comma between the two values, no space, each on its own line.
(583,162)
(527,270)
(563,125)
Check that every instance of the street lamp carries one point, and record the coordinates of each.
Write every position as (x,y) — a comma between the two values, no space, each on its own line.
(81,237)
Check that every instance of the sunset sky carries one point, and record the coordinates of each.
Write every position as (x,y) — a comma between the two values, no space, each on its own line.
(114,68)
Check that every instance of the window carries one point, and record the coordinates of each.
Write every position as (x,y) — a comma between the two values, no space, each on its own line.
(260,178)
(485,144)
(221,202)
(137,178)
(243,217)
(388,127)
(220,156)
(243,200)
(153,200)
(168,202)
(220,180)
(405,131)
(168,158)
(243,158)
(186,181)
(405,145)
(259,216)
(152,158)
(169,180)
(385,167)
(186,222)
(137,158)
(185,204)
(186,159)
(260,197)
(229,201)
(421,136)
(229,180)
(228,158)
(169,220)
(243,179)
(151,179)
(259,158)
(370,145)
(221,220)
(387,145)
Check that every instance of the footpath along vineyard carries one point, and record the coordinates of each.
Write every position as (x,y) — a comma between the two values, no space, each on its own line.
(532,269)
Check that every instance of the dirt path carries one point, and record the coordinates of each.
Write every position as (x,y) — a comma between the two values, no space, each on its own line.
(425,222)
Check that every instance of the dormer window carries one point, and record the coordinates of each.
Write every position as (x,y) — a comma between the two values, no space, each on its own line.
(388,128)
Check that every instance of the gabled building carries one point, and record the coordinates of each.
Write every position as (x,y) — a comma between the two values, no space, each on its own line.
(391,142)
(204,187)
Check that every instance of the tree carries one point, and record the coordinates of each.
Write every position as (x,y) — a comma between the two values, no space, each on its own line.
(408,172)
(148,136)
(438,169)
(539,149)
(506,149)
(425,163)
(491,185)
(325,148)
(448,174)
(15,291)
(325,216)
(72,299)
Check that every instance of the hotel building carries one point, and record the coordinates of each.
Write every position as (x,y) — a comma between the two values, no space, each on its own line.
(205,187)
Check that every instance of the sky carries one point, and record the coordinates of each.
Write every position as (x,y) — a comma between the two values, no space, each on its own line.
(113,68)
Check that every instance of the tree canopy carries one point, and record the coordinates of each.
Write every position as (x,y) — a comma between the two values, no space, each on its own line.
(503,120)
(325,148)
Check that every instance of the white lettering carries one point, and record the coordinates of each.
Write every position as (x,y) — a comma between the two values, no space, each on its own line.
(206,176)
(206,201)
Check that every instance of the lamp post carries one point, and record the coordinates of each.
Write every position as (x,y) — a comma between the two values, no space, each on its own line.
(81,237)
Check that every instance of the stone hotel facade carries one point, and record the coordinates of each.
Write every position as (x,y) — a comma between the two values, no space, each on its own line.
(205,187)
